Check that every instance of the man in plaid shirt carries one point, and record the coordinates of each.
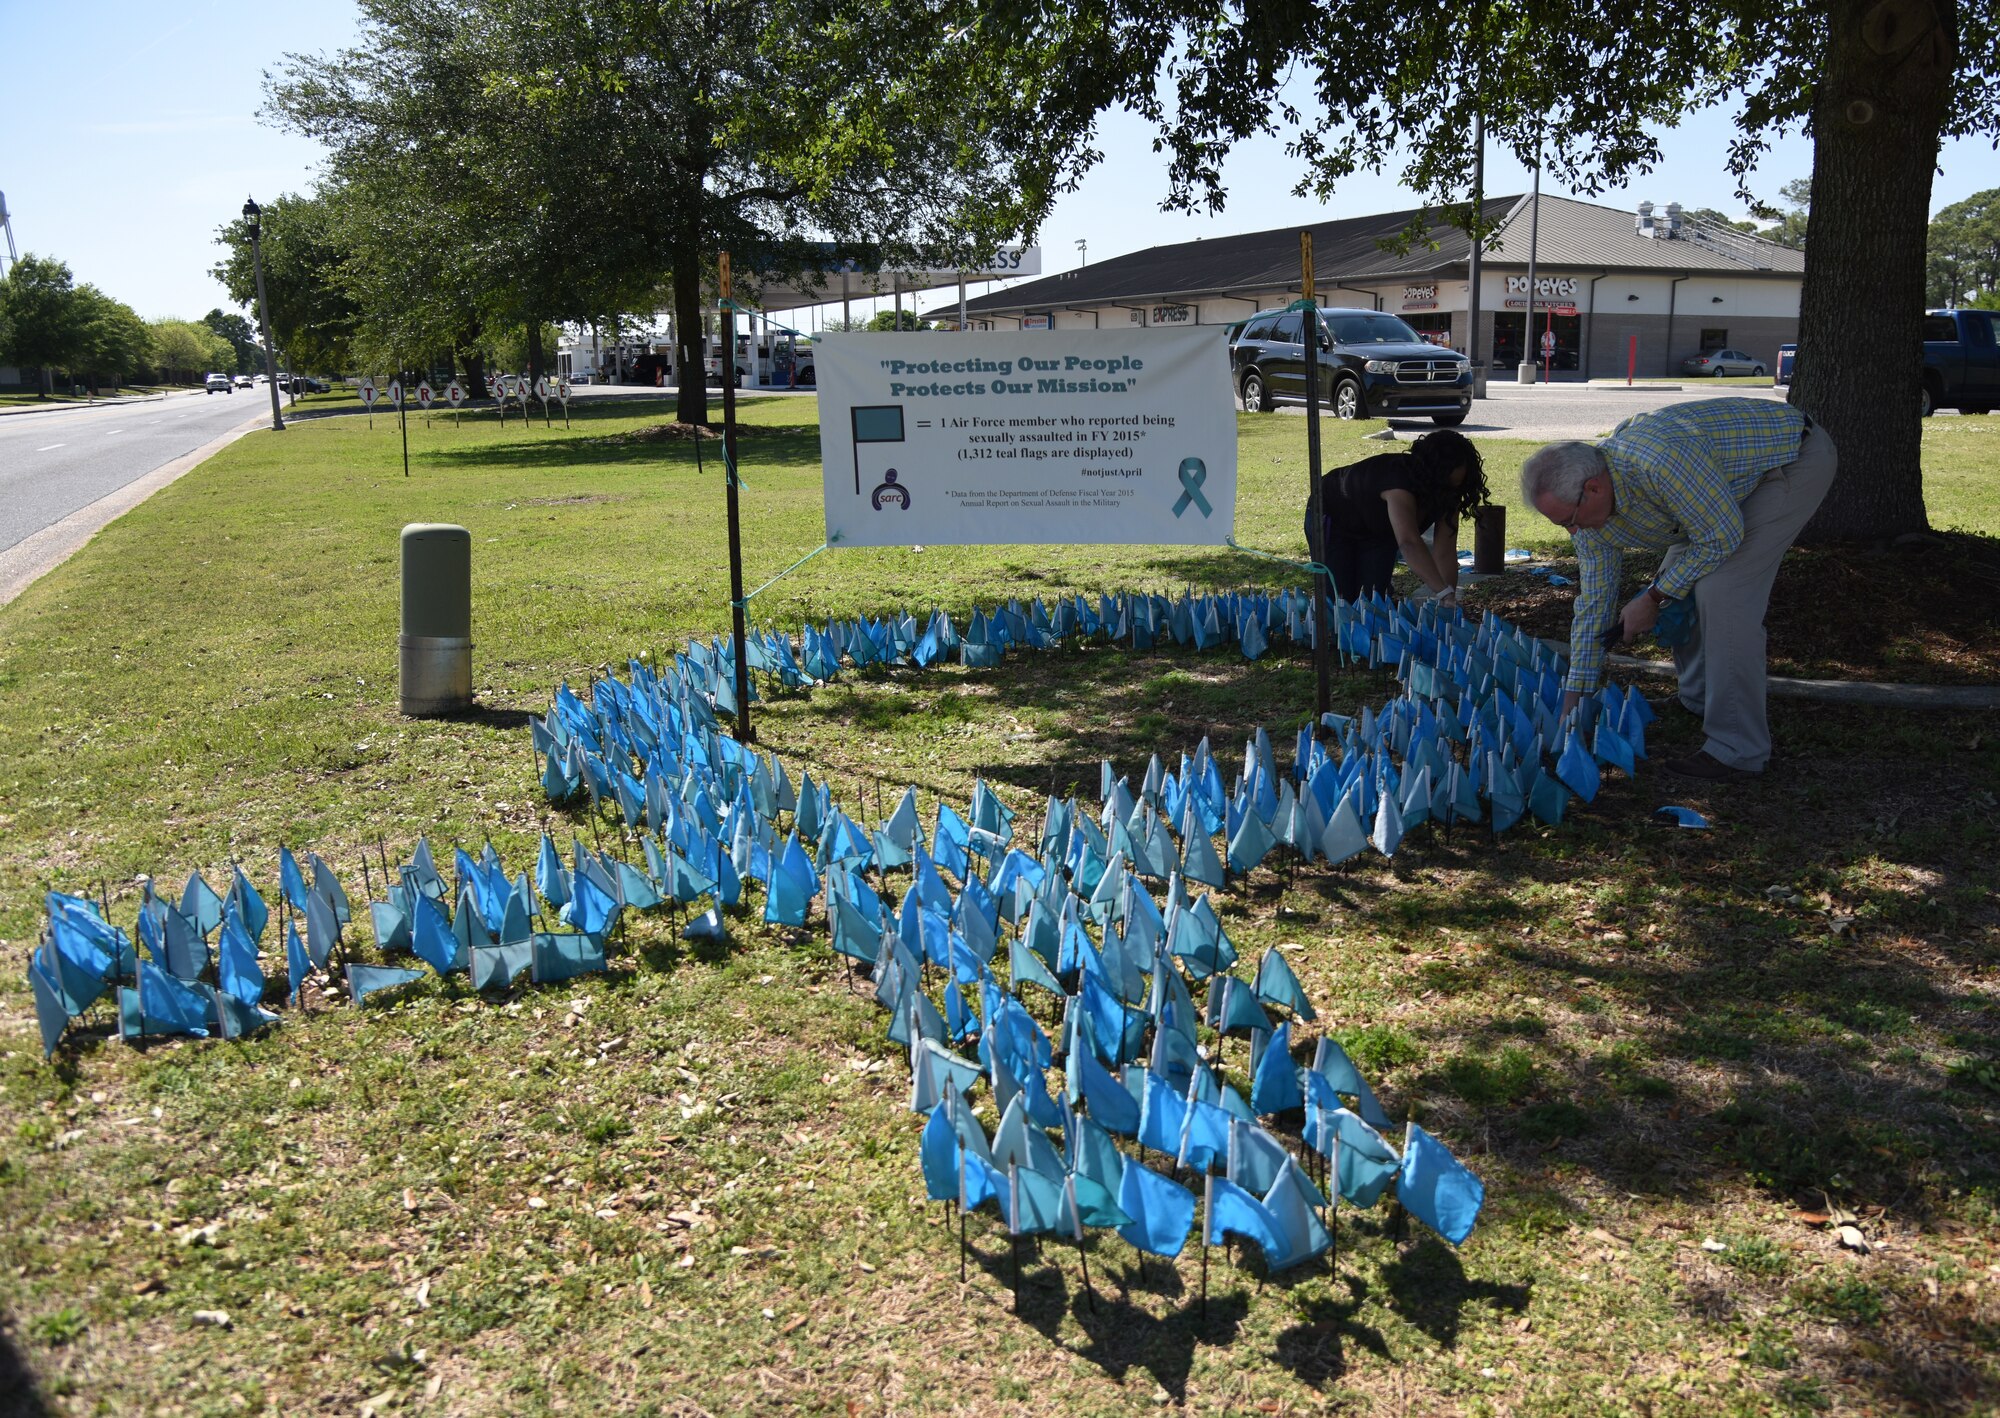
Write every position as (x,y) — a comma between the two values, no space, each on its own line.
(1721,487)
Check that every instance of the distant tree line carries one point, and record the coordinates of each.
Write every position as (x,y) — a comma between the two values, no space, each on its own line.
(51,325)
(1962,257)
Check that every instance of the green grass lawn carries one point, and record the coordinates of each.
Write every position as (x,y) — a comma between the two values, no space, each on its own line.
(63,396)
(692,1185)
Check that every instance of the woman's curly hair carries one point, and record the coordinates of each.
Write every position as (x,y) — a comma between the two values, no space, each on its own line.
(1438,453)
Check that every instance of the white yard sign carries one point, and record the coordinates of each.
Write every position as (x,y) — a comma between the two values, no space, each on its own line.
(1070,437)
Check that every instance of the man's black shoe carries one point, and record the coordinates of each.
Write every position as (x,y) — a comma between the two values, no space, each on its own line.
(1702,764)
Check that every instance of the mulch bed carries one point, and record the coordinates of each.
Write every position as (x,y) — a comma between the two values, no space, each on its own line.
(1926,611)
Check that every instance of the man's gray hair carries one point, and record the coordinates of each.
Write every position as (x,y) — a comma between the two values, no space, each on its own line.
(1560,470)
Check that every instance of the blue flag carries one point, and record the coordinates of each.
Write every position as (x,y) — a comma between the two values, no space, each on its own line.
(1103,1094)
(296,962)
(1162,1114)
(1577,769)
(1255,1157)
(365,980)
(1161,1209)
(1040,1204)
(256,915)
(1276,984)
(937,1152)
(495,967)
(563,957)
(1233,1211)
(171,1007)
(49,1010)
(551,877)
(242,977)
(1332,1063)
(432,939)
(200,904)
(1275,1087)
(592,909)
(1436,1188)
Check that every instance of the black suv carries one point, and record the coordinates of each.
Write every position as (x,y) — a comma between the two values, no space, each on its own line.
(1371,365)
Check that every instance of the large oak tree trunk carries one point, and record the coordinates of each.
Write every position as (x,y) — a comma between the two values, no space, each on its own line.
(1876,118)
(473,362)
(691,405)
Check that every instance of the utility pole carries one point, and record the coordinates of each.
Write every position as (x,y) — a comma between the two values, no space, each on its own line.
(251,212)
(1479,360)
(1526,373)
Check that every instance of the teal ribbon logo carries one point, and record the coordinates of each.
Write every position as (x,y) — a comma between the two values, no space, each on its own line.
(1193,474)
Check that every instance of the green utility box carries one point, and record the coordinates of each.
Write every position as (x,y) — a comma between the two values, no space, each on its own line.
(436,643)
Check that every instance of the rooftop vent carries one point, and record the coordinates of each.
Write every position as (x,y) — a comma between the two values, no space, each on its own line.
(1644,225)
(1673,219)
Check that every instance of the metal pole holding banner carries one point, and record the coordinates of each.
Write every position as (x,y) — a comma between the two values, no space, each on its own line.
(403,418)
(1322,651)
(743,731)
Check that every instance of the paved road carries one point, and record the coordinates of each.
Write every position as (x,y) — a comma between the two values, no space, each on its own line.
(1533,411)
(59,461)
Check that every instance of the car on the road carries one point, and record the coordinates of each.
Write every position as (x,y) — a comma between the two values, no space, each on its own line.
(220,382)
(1370,364)
(1720,362)
(244,381)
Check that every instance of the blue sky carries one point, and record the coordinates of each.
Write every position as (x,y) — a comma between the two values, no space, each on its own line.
(135,136)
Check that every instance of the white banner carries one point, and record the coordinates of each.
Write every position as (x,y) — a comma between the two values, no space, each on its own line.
(1065,437)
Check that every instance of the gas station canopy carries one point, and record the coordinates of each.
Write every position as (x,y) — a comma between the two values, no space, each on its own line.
(849,280)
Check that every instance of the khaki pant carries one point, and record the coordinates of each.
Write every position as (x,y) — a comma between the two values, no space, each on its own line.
(1721,666)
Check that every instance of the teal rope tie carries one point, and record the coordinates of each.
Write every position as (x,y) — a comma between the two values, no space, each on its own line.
(1233,545)
(728,463)
(745,602)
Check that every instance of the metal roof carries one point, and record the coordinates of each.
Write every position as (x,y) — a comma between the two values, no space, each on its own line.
(1572,233)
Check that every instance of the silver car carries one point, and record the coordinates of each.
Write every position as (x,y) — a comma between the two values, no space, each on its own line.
(1722,362)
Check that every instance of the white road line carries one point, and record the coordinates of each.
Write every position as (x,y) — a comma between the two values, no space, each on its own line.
(52,447)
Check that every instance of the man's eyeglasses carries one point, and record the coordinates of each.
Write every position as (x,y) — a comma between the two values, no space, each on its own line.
(1575,511)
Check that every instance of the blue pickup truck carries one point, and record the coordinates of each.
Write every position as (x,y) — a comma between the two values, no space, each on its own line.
(1961,361)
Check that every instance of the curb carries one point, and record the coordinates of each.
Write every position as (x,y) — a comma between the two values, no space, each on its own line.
(34,557)
(73,405)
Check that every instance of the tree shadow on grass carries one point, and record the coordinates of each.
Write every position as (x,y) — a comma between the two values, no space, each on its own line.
(1119,1315)
(20,1397)
(1429,1287)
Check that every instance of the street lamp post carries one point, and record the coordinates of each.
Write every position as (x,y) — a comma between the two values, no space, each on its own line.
(250,214)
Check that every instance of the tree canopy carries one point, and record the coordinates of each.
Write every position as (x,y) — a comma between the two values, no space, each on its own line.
(49,322)
(517,163)
(1585,89)
(1962,256)
(312,315)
